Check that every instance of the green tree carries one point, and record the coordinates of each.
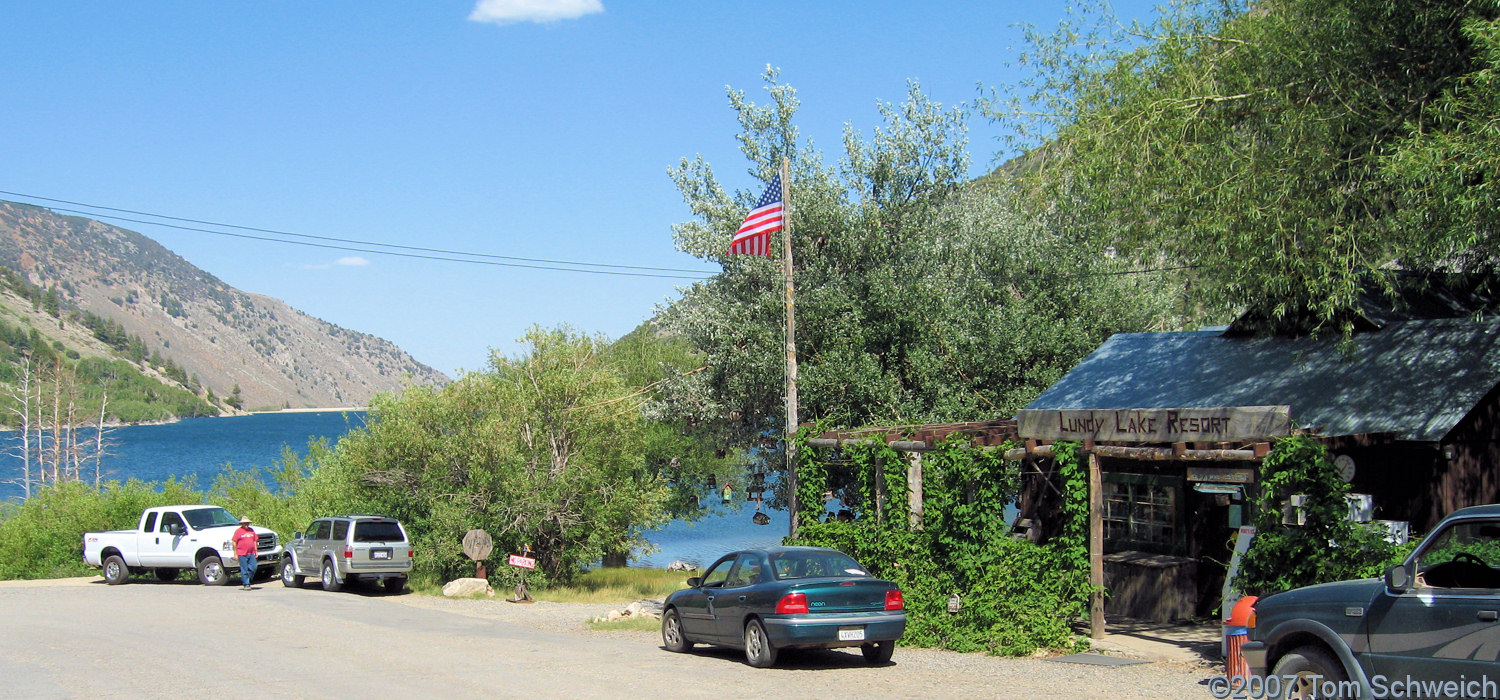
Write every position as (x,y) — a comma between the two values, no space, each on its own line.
(1245,143)
(545,449)
(1445,172)
(921,296)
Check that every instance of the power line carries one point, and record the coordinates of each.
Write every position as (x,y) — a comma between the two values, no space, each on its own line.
(438,253)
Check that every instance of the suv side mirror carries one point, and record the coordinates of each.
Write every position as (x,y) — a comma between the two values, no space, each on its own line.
(297,535)
(695,581)
(1398,578)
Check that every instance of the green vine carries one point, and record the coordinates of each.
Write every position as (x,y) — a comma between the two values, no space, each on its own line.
(1015,596)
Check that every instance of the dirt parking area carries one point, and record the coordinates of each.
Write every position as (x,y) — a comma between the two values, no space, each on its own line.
(80,638)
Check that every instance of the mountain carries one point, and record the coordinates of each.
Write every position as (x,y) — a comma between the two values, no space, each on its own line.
(220,337)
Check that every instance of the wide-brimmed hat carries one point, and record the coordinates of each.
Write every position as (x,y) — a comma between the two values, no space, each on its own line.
(244,521)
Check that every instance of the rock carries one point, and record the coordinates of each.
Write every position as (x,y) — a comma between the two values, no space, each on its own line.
(464,587)
(614,615)
(681,565)
(646,608)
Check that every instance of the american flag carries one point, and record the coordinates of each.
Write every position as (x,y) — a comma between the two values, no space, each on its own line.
(754,236)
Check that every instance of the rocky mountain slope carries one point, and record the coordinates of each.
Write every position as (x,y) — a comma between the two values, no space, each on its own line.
(276,355)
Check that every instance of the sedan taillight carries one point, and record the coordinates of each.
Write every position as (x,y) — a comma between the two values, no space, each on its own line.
(792,603)
(894,601)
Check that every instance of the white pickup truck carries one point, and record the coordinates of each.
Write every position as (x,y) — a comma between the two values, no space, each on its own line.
(172,538)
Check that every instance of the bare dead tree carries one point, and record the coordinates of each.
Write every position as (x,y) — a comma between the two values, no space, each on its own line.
(21,396)
(99,433)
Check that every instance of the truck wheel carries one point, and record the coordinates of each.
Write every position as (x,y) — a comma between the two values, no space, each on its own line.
(1305,663)
(115,570)
(166,573)
(289,576)
(211,572)
(330,578)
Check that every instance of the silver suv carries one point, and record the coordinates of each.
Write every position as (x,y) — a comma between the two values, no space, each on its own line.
(345,549)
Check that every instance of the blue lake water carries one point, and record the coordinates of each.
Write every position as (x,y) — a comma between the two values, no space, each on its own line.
(202,447)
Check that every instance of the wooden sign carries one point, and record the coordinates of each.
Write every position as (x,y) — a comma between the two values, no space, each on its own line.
(477,544)
(1238,423)
(1221,475)
(523,562)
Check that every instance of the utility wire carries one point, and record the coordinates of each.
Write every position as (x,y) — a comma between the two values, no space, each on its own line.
(546,264)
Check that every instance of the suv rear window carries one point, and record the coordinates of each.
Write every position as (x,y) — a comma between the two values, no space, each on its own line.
(377,532)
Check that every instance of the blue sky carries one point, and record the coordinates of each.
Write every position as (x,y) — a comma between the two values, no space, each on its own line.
(530,128)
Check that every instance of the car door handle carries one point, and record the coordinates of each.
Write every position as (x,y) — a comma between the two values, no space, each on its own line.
(742,598)
(710,599)
(1488,616)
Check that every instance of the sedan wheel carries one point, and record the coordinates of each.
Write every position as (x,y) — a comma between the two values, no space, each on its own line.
(758,649)
(878,652)
(289,576)
(671,633)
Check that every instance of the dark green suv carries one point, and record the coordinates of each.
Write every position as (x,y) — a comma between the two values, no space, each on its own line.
(1431,628)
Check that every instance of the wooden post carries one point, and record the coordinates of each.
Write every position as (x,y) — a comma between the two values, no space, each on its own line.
(879,490)
(1096,546)
(914,488)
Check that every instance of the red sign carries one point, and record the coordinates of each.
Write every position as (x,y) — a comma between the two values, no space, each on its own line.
(523,562)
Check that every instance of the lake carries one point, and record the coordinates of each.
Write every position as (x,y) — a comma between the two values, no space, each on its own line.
(202,447)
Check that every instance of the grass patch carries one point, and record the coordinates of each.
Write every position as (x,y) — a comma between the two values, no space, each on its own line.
(646,624)
(616,586)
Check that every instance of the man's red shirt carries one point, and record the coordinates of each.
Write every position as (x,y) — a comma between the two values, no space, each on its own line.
(245,540)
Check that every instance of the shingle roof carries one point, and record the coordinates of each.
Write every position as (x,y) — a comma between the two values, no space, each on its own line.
(1416,379)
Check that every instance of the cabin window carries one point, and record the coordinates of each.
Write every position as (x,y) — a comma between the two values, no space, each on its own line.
(1142,514)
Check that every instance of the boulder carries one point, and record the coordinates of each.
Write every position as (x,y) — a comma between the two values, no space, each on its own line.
(465,587)
(681,565)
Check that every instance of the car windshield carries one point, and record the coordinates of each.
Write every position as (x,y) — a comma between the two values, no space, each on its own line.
(788,565)
(200,518)
(377,532)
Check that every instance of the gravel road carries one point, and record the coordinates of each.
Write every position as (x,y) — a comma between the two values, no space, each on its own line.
(80,638)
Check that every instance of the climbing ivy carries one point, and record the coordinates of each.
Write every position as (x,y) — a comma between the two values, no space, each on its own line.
(1327,546)
(1015,596)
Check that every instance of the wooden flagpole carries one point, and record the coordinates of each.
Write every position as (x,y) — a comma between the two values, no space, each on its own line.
(791,344)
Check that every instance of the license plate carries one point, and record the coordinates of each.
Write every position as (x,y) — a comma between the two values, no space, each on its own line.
(380,554)
(851,634)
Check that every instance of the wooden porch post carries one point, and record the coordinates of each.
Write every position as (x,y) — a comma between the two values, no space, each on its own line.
(1096,545)
(914,488)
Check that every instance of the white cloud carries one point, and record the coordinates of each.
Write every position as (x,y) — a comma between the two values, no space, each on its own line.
(353,261)
(512,11)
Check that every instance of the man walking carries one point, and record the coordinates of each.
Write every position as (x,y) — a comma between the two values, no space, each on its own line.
(245,541)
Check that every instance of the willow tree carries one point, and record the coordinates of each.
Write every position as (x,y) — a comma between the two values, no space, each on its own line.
(544,449)
(921,296)
(1246,141)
